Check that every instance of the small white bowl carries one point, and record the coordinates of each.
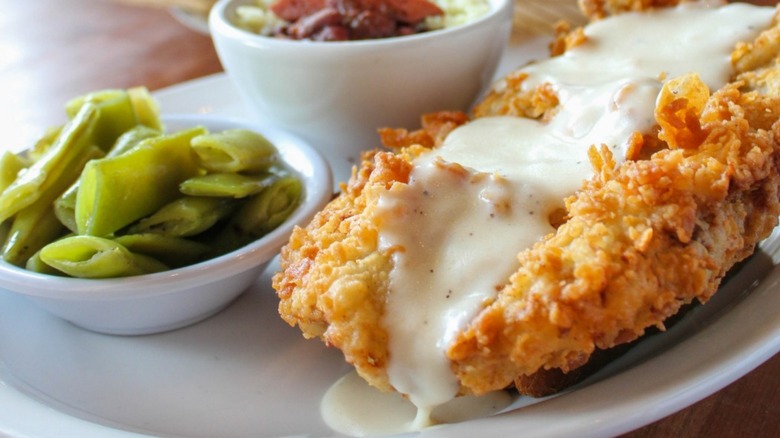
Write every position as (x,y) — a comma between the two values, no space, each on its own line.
(176,298)
(337,94)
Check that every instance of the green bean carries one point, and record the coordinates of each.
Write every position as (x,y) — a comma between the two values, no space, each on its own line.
(44,173)
(116,114)
(132,138)
(234,151)
(31,229)
(35,264)
(65,207)
(260,214)
(5,228)
(10,165)
(117,191)
(119,110)
(96,257)
(65,204)
(36,225)
(186,216)
(44,142)
(232,185)
(146,110)
(270,208)
(173,251)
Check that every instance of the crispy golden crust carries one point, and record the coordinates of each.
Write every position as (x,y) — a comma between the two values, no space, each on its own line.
(642,239)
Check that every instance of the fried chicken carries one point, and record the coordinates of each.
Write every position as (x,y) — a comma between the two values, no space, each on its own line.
(637,242)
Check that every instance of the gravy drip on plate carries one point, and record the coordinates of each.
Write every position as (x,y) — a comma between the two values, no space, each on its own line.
(474,203)
(354,408)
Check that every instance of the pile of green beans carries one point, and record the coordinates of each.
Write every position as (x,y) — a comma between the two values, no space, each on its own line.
(110,194)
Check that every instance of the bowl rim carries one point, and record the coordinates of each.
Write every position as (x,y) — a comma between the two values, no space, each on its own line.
(220,25)
(317,192)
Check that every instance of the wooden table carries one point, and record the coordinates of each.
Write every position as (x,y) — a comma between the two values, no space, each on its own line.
(53,50)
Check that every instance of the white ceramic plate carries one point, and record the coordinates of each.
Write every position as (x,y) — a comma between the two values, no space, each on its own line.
(245,373)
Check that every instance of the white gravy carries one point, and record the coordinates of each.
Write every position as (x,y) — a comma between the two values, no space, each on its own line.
(461,225)
(354,408)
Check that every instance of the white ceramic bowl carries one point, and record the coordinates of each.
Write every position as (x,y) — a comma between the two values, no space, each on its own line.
(172,299)
(337,94)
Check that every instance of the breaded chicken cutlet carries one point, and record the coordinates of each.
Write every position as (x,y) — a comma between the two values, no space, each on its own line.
(662,214)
